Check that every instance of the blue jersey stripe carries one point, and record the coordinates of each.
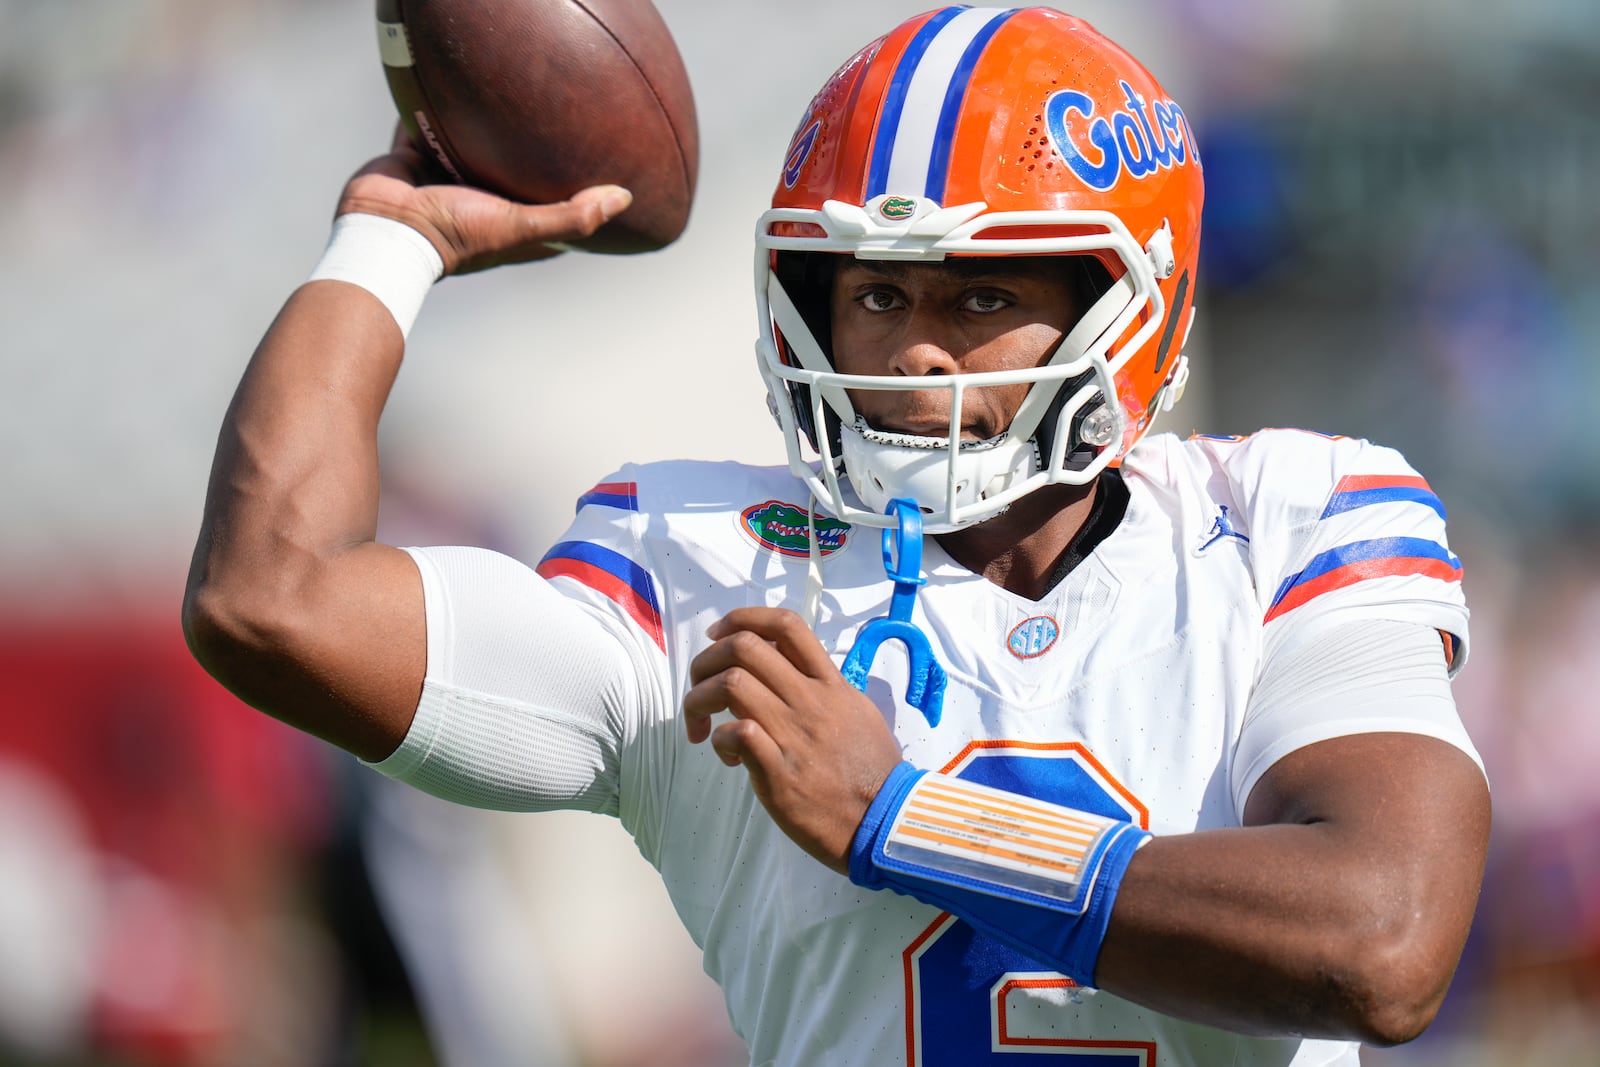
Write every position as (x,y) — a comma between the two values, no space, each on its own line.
(1360,498)
(944,138)
(1360,551)
(624,502)
(612,562)
(895,101)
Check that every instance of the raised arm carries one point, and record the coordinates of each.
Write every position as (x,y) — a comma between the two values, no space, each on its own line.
(291,603)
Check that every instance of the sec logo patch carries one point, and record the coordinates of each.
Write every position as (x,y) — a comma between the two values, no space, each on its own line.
(1033,637)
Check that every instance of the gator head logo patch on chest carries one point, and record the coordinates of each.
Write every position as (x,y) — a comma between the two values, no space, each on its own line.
(786,529)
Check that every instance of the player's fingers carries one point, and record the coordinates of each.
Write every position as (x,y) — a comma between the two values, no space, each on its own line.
(743,741)
(735,690)
(612,200)
(765,660)
(700,704)
(738,648)
(400,167)
(785,630)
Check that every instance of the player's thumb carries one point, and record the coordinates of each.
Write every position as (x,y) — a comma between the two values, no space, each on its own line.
(599,204)
(555,226)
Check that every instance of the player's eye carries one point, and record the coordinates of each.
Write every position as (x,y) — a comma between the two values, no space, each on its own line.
(878,300)
(984,301)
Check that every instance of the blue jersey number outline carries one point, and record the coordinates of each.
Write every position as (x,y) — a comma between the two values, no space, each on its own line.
(958,980)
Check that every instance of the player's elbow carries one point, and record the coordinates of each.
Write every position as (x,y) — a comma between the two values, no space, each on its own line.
(1397,982)
(240,630)
(1391,1016)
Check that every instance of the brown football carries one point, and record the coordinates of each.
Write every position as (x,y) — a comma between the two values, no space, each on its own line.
(536,99)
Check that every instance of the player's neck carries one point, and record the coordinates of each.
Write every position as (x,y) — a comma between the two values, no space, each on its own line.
(1019,549)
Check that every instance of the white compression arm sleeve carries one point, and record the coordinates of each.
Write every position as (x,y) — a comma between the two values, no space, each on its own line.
(528,697)
(1347,677)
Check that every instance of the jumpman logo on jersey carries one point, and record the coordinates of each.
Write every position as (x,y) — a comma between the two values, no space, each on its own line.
(1222,527)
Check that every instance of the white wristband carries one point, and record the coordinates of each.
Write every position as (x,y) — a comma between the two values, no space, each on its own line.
(388,259)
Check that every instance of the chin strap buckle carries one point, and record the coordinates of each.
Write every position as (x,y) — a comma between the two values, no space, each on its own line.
(902,561)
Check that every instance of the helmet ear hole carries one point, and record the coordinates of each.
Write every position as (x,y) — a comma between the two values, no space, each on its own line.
(1050,425)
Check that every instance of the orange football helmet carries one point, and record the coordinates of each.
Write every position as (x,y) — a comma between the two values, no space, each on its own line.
(973,131)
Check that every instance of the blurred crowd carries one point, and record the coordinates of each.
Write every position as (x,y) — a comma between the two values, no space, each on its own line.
(1398,206)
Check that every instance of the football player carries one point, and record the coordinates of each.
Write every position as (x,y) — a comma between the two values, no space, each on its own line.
(989,728)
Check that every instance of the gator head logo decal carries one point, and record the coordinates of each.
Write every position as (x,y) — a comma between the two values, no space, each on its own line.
(897,207)
(786,529)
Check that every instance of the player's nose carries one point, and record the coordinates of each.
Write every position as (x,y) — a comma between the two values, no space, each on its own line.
(922,357)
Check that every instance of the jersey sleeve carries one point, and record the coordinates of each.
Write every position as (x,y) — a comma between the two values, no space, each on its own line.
(538,679)
(1344,529)
(1363,616)
(526,697)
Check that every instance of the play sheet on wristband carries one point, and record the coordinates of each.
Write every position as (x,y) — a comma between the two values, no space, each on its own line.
(982,838)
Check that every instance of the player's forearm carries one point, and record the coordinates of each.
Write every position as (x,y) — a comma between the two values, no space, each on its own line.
(1282,930)
(1336,912)
(295,480)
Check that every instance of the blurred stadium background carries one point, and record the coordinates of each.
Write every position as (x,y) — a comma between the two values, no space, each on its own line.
(1400,198)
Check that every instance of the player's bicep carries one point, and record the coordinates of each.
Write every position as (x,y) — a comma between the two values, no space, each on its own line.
(1356,737)
(528,696)
(1404,819)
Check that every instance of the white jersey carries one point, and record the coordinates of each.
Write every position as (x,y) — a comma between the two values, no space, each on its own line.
(1124,690)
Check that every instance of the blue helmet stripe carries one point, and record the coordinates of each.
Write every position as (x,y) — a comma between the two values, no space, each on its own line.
(944,138)
(895,101)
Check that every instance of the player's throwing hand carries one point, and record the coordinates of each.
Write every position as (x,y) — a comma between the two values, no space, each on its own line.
(472,229)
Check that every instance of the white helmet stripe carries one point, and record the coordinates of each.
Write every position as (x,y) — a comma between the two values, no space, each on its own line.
(916,123)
